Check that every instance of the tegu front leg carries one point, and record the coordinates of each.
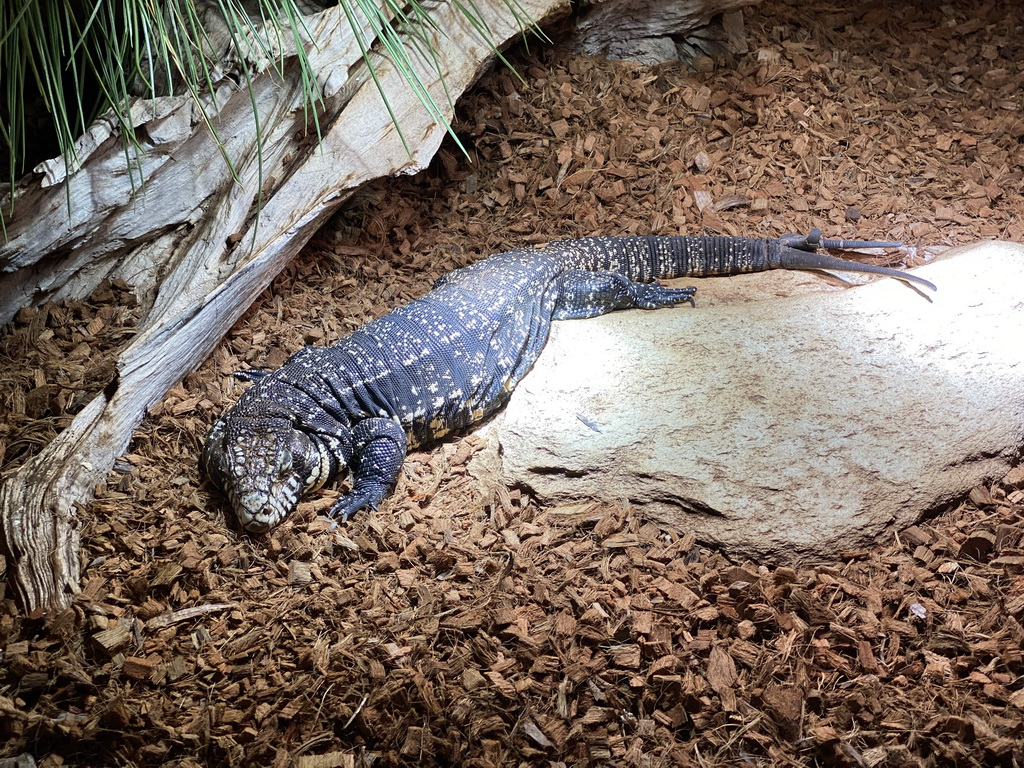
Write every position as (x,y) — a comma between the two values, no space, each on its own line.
(379,447)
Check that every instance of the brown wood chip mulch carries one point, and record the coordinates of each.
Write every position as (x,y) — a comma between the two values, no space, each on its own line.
(465,625)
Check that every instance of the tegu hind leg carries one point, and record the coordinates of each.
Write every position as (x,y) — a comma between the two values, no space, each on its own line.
(583,294)
(379,447)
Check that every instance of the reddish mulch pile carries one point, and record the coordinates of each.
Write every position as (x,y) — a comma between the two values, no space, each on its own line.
(53,360)
(463,624)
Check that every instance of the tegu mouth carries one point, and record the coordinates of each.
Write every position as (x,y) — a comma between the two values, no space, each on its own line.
(257,526)
(259,512)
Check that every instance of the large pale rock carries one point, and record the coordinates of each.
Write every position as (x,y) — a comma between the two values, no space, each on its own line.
(785,428)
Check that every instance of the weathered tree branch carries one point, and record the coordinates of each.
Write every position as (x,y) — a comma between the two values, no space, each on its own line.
(653,31)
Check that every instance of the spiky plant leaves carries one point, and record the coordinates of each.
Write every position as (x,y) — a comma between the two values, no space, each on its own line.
(66,61)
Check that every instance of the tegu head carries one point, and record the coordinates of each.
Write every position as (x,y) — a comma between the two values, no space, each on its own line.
(264,465)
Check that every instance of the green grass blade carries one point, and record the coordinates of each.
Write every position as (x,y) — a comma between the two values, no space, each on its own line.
(154,47)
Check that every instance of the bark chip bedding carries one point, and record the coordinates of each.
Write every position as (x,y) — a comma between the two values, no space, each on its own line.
(465,625)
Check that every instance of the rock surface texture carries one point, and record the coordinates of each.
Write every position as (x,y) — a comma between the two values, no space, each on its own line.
(785,428)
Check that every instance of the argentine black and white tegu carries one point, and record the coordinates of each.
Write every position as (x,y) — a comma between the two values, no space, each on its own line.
(448,360)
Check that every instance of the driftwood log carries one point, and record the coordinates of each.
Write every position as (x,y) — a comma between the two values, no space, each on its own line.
(654,31)
(190,243)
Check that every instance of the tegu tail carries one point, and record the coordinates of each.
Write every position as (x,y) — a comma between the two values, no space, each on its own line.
(793,258)
(649,258)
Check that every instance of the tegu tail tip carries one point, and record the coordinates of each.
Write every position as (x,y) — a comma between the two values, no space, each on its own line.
(794,258)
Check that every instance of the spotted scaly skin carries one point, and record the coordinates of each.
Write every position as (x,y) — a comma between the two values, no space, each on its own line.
(449,359)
